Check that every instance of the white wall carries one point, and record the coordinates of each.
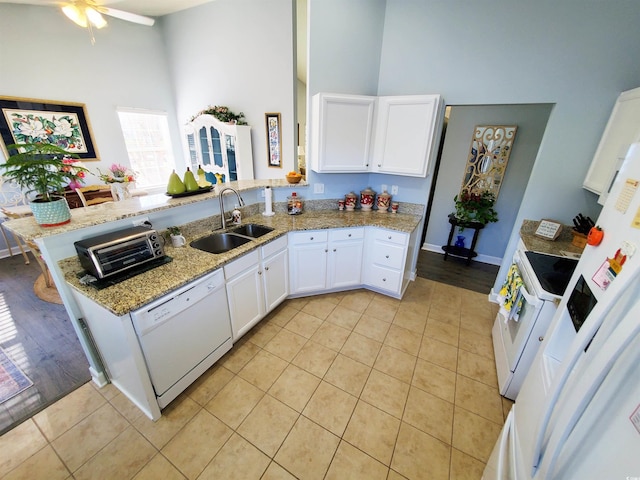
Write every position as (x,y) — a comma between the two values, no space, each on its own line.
(237,53)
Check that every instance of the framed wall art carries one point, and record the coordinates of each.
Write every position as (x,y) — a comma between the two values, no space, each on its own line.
(274,142)
(28,120)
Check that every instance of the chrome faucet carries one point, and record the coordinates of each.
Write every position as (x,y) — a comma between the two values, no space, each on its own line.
(224,220)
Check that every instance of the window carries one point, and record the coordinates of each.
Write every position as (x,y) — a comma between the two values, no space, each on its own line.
(146,136)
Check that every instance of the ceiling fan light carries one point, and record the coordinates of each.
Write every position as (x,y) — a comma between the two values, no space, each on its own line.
(73,13)
(95,17)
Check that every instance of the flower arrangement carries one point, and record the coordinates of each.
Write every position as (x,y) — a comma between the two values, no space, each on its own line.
(75,168)
(476,207)
(117,174)
(223,114)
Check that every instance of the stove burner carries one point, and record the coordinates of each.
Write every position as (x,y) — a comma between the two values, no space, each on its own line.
(552,272)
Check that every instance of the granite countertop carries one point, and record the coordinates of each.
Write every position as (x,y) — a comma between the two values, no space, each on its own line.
(189,263)
(561,246)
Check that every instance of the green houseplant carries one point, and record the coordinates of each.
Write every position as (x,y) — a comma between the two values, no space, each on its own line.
(475,207)
(44,170)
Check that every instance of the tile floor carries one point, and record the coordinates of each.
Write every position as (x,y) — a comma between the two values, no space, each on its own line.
(342,386)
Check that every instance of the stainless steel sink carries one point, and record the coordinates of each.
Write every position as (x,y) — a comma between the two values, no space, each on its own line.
(252,230)
(219,242)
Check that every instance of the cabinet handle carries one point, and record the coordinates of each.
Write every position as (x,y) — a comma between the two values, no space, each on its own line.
(386,256)
(379,165)
(389,237)
(540,339)
(349,235)
(311,238)
(326,250)
(384,279)
(266,268)
(259,272)
(334,249)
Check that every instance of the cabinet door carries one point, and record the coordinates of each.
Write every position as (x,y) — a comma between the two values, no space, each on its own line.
(246,300)
(308,267)
(342,126)
(275,276)
(407,129)
(345,263)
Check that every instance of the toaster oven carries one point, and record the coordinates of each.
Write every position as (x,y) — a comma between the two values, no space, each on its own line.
(116,252)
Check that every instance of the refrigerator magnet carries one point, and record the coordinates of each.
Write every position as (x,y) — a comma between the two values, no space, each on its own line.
(604,276)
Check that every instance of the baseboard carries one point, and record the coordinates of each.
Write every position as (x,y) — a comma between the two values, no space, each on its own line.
(493,296)
(480,258)
(99,379)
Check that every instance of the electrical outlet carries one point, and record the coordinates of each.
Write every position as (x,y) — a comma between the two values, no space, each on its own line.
(394,189)
(142,222)
(383,188)
(318,188)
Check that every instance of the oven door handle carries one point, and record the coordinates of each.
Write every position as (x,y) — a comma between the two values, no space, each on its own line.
(530,299)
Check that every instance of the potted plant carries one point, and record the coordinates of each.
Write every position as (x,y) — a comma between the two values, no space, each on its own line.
(44,169)
(223,114)
(475,207)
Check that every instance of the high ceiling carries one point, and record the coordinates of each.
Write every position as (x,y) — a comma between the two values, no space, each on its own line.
(150,8)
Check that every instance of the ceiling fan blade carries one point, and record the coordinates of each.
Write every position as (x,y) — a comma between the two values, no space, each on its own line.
(129,17)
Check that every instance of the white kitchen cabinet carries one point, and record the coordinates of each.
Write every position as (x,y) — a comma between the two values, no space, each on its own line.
(341,132)
(623,129)
(389,134)
(406,134)
(386,260)
(325,260)
(219,148)
(256,283)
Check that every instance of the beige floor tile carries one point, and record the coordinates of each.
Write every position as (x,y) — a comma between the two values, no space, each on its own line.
(131,449)
(357,300)
(382,309)
(237,460)
(372,431)
(344,317)
(262,333)
(446,313)
(319,307)
(173,418)
(443,332)
(304,324)
(197,443)
(464,467)
(276,472)
(263,370)
(478,323)
(479,398)
(235,401)
(297,303)
(386,393)
(235,359)
(439,353)
(126,407)
(473,434)
(44,464)
(475,343)
(294,387)
(108,391)
(429,414)
(66,412)
(360,348)
(435,380)
(403,339)
(286,344)
(19,444)
(393,475)
(331,336)
(315,358)
(331,408)
(351,463)
(90,435)
(348,374)
(415,303)
(209,384)
(372,327)
(418,455)
(477,367)
(282,314)
(159,467)
(268,424)
(396,363)
(414,321)
(308,450)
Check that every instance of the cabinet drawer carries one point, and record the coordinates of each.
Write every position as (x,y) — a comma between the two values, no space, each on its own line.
(274,246)
(388,255)
(346,234)
(384,278)
(391,236)
(309,236)
(241,264)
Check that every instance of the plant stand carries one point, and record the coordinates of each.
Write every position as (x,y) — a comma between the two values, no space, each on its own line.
(464,252)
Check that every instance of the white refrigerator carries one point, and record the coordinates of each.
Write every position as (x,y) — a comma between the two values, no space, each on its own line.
(577,415)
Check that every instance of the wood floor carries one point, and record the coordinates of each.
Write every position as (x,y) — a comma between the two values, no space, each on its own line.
(478,277)
(39,337)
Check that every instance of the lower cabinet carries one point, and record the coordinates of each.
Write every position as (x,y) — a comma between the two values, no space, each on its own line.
(256,283)
(386,260)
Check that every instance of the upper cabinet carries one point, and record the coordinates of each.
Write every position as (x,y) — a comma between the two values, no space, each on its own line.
(220,148)
(391,134)
(621,131)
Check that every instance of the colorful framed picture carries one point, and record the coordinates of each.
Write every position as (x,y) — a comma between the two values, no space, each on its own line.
(274,143)
(27,120)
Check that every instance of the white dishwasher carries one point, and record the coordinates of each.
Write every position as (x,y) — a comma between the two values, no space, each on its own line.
(183,334)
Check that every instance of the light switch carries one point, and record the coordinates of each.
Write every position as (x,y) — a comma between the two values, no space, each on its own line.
(318,188)
(394,189)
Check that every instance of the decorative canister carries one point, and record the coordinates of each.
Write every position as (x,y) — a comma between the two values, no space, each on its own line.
(294,204)
(350,201)
(366,199)
(384,200)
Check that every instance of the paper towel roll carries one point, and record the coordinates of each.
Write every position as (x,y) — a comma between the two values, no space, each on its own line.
(268,201)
